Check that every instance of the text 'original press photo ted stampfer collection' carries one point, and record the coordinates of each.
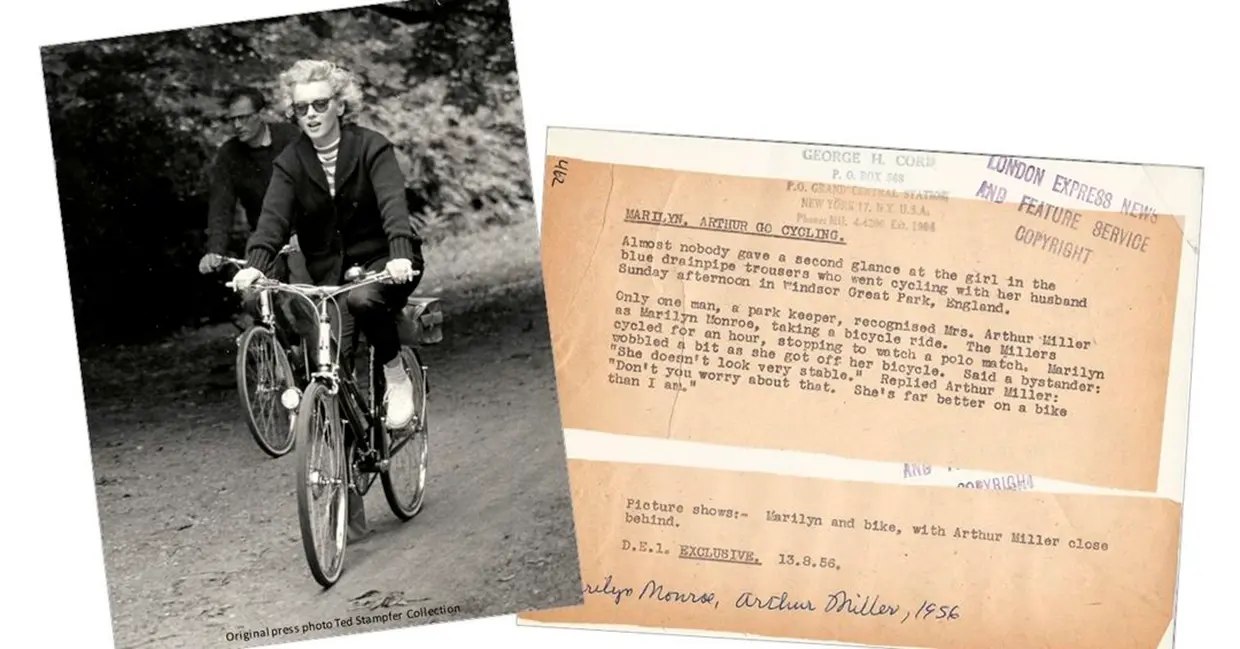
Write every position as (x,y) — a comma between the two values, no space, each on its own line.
(330,407)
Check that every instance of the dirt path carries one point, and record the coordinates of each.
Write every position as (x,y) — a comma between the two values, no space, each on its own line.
(200,529)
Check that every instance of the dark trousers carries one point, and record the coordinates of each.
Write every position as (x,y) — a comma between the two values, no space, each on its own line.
(372,310)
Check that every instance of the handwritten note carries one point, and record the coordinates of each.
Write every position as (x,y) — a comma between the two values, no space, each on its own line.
(963,310)
(873,564)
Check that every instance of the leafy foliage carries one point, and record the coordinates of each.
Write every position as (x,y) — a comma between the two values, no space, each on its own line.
(134,126)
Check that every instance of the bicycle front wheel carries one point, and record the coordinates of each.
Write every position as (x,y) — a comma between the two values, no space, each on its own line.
(322,483)
(263,373)
(408,449)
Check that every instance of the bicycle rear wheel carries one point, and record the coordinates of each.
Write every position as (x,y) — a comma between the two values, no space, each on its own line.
(263,373)
(407,450)
(322,483)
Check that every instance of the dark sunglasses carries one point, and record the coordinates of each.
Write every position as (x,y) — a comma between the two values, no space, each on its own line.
(320,106)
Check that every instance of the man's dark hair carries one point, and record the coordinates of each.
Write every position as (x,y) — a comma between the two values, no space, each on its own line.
(257,100)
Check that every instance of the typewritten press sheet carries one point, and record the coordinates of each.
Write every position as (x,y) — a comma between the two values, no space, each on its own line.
(893,398)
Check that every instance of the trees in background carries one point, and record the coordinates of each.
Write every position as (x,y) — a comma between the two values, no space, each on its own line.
(134,126)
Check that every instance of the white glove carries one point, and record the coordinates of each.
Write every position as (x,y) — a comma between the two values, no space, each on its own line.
(401,270)
(245,277)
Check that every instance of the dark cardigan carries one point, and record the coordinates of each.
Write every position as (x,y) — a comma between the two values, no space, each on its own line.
(367,219)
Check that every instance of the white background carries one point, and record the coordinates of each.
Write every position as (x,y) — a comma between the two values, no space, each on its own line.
(1093,80)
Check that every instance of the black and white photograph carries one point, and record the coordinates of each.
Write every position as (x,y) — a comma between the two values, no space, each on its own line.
(304,264)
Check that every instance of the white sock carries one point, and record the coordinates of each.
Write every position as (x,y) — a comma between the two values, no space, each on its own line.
(394,371)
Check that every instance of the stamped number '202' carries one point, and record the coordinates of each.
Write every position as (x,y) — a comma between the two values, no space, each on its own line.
(559,173)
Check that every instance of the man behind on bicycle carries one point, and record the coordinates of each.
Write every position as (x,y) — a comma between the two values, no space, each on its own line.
(340,186)
(240,173)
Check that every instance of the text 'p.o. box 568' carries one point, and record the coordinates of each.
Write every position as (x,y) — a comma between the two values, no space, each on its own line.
(865,319)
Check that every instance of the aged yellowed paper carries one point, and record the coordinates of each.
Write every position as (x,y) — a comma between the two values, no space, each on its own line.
(889,565)
(981,311)
(885,397)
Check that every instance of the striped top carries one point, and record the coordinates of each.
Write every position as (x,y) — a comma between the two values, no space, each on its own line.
(327,158)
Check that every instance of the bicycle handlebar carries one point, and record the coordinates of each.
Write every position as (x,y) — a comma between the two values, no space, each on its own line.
(313,291)
(317,296)
(286,250)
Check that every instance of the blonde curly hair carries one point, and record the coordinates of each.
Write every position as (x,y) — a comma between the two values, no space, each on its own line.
(344,85)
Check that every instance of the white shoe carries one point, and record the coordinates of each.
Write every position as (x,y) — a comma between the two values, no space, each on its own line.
(399,400)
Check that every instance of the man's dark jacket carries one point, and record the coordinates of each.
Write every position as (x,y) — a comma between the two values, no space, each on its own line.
(366,220)
(240,174)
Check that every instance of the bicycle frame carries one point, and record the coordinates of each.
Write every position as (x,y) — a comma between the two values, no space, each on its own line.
(363,421)
(266,310)
(366,444)
(328,369)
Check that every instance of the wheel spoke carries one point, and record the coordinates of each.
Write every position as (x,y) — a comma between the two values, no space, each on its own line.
(404,481)
(322,488)
(264,382)
(328,485)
